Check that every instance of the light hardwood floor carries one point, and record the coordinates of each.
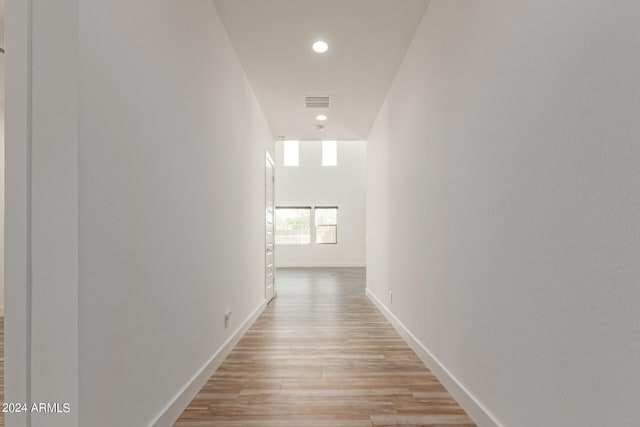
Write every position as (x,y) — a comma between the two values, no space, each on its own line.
(322,355)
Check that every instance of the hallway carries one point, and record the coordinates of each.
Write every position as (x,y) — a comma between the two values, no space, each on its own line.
(497,212)
(322,355)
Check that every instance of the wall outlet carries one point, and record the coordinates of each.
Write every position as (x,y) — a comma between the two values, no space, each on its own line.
(227,318)
(390,296)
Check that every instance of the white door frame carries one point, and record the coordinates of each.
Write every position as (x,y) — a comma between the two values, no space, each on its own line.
(269,256)
(41,209)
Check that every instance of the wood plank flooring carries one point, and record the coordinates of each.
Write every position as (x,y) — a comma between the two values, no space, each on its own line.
(322,355)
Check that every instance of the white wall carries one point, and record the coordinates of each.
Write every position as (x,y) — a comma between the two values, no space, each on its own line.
(508,145)
(17,146)
(171,201)
(311,184)
(41,210)
(157,184)
(2,182)
(2,160)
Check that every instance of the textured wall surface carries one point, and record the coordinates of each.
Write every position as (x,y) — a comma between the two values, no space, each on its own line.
(508,144)
(172,149)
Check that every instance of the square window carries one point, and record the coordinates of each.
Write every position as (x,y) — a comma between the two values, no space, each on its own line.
(293,226)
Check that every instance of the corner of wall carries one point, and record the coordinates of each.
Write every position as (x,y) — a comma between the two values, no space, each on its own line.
(469,403)
(181,400)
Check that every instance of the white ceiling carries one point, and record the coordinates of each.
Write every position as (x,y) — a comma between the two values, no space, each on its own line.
(367,41)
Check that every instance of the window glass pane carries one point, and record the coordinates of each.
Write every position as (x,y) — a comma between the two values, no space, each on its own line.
(293,226)
(291,153)
(329,153)
(326,222)
(326,216)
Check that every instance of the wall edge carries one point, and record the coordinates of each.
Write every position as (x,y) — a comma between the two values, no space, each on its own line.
(469,403)
(172,411)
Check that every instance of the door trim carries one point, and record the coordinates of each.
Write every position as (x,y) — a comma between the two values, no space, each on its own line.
(269,163)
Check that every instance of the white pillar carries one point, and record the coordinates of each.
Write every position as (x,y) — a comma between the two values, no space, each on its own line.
(42,210)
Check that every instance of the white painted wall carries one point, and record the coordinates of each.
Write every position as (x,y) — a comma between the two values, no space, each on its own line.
(157,185)
(311,184)
(2,182)
(503,205)
(2,160)
(41,210)
(171,201)
(17,146)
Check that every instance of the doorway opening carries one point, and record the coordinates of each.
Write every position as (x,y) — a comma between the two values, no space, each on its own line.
(320,204)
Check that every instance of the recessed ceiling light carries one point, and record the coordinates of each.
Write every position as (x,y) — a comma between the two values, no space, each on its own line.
(320,46)
(321,117)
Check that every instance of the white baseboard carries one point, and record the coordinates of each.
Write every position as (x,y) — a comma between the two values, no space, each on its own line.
(172,411)
(320,265)
(477,412)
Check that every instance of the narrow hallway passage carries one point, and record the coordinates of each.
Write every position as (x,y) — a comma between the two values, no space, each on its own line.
(322,355)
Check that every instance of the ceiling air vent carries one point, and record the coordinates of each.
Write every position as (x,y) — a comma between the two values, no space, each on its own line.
(317,101)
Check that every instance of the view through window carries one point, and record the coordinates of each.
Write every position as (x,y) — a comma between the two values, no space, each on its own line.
(326,221)
(294,225)
(291,153)
(329,153)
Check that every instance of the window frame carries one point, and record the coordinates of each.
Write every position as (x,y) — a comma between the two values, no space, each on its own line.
(278,231)
(315,226)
